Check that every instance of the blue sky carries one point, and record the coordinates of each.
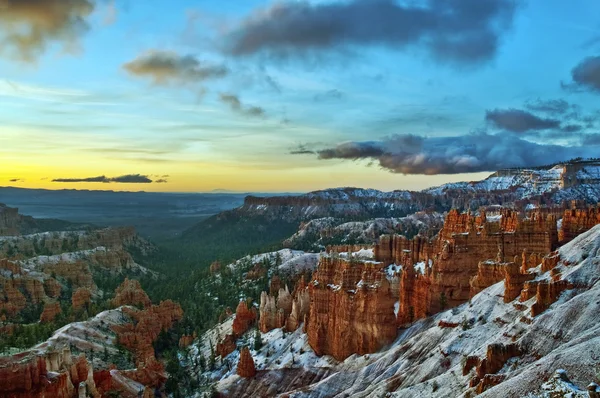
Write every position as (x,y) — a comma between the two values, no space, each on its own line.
(297,110)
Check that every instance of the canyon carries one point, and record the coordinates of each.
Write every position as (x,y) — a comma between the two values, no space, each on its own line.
(359,295)
(51,369)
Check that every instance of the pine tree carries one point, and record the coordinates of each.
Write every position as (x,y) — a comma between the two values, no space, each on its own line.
(258,343)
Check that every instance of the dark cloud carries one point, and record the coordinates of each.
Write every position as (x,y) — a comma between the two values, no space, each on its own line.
(17,180)
(161,181)
(456,31)
(334,94)
(572,128)
(29,27)
(519,121)
(552,107)
(125,179)
(236,105)
(132,179)
(271,82)
(590,139)
(586,75)
(353,150)
(410,154)
(302,150)
(167,67)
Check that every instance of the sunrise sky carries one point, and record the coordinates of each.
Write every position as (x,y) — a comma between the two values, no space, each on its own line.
(292,95)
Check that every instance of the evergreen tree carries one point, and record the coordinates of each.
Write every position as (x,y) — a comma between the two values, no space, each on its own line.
(258,343)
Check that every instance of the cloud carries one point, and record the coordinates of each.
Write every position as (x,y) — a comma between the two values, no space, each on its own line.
(519,121)
(125,179)
(302,150)
(161,181)
(552,107)
(17,180)
(586,75)
(29,27)
(236,105)
(167,67)
(454,31)
(411,154)
(590,139)
(353,150)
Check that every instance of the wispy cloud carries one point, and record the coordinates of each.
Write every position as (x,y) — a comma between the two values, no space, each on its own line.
(236,105)
(168,67)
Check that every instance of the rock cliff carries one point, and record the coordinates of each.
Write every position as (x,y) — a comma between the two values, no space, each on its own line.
(351,308)
(469,254)
(42,374)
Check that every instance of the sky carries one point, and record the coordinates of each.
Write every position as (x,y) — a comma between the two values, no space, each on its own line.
(192,96)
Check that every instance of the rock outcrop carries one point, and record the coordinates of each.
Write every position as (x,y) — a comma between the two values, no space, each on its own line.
(485,369)
(226,346)
(271,317)
(246,366)
(46,374)
(81,298)
(578,221)
(50,312)
(130,292)
(468,255)
(351,308)
(138,337)
(244,318)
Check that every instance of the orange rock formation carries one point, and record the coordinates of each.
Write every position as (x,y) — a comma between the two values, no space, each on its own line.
(351,308)
(244,318)
(246,366)
(81,298)
(51,311)
(130,292)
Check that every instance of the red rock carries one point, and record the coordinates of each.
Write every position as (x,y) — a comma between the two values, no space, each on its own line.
(81,298)
(578,221)
(45,374)
(450,325)
(300,309)
(138,337)
(78,273)
(226,346)
(12,301)
(547,293)
(468,255)
(246,366)
(347,317)
(50,312)
(244,318)
(130,292)
(489,381)
(186,340)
